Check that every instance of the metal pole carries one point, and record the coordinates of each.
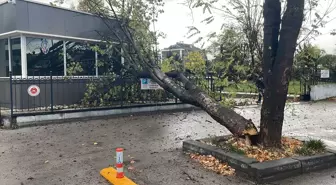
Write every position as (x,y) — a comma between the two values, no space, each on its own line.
(24,71)
(9,54)
(51,93)
(11,92)
(64,58)
(96,63)
(122,90)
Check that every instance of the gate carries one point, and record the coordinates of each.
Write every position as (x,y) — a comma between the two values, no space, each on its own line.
(314,76)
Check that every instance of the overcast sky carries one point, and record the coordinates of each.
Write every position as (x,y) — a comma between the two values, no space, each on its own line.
(177,18)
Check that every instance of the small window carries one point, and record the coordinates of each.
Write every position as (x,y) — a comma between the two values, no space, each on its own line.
(109,59)
(81,59)
(44,56)
(16,56)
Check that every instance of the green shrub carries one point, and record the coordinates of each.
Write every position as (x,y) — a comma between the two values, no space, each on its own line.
(311,147)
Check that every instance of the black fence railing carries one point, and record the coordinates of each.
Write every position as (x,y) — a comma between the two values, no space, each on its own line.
(309,78)
(76,93)
(58,93)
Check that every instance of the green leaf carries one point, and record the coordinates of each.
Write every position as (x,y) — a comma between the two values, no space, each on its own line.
(317,15)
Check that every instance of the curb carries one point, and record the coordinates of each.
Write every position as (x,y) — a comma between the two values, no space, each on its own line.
(60,117)
(255,95)
(268,171)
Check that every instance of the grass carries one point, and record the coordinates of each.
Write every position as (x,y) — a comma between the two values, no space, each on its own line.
(235,149)
(311,147)
(249,87)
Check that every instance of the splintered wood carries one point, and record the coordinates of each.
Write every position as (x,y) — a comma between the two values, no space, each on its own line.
(211,163)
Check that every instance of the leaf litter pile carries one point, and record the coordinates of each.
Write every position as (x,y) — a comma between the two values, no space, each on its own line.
(211,163)
(290,147)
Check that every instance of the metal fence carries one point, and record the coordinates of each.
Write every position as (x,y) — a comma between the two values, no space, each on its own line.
(60,93)
(69,94)
(311,77)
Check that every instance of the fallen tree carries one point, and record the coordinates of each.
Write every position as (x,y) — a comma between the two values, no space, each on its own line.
(192,94)
(130,25)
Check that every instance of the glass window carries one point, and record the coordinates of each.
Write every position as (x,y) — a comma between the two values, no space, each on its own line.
(81,59)
(43,56)
(109,59)
(16,56)
(4,63)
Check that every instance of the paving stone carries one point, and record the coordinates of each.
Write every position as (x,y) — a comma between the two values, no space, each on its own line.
(198,147)
(274,170)
(316,162)
(237,161)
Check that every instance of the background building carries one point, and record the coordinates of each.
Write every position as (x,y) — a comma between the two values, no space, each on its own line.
(179,49)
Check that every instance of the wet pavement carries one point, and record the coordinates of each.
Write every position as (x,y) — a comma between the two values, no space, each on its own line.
(74,153)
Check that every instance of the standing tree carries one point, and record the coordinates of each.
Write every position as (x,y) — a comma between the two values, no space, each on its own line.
(328,61)
(280,38)
(282,26)
(231,56)
(91,6)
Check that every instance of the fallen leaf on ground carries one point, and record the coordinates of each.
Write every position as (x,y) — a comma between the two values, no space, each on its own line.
(211,163)
(131,168)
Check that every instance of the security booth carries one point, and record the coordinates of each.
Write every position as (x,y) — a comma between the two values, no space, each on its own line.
(40,46)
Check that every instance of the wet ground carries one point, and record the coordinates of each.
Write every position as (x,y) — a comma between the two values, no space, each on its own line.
(74,153)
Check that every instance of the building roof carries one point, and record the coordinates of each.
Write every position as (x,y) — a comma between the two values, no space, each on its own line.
(34,17)
(181,45)
(57,7)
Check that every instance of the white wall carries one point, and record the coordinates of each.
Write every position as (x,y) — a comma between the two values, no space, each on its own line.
(322,91)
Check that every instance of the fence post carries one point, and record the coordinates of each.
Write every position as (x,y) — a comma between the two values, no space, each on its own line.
(51,93)
(11,92)
(122,91)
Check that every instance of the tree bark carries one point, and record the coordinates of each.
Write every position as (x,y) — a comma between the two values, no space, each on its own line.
(227,117)
(190,93)
(277,66)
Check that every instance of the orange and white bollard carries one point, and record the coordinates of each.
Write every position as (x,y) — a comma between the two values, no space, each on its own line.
(117,176)
(119,165)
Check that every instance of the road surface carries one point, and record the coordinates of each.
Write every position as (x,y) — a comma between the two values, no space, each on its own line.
(74,153)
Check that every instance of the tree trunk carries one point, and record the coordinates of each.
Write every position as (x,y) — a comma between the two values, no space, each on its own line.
(190,93)
(278,62)
(227,117)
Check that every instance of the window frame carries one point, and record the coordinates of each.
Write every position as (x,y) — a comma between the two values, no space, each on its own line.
(24,67)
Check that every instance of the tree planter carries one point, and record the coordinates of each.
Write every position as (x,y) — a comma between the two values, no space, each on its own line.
(263,172)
